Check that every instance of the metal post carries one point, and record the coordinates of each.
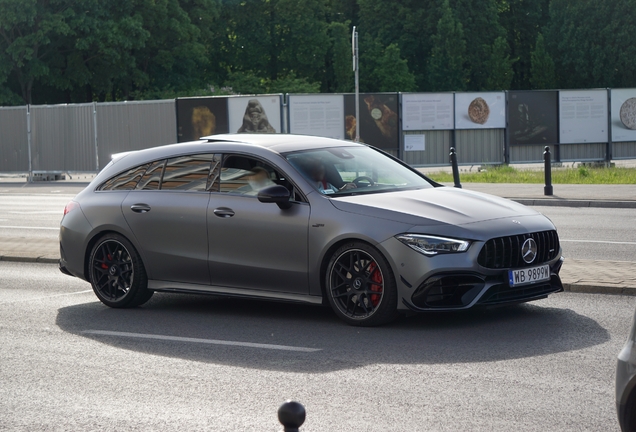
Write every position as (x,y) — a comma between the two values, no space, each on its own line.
(28,113)
(95,137)
(291,415)
(547,190)
(354,48)
(453,161)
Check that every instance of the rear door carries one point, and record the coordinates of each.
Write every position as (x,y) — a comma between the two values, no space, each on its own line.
(167,214)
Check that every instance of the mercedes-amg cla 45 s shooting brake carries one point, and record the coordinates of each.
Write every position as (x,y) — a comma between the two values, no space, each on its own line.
(302,219)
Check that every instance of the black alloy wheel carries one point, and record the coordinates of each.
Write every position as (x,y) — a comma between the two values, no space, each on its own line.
(117,274)
(360,286)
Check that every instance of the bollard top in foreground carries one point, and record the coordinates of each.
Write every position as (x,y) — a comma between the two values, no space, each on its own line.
(291,415)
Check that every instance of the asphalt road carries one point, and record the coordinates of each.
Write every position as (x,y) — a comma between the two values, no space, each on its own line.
(206,363)
(586,233)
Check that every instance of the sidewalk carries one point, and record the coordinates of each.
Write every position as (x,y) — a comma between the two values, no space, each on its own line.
(587,276)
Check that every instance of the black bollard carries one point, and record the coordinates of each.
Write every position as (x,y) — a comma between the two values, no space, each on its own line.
(291,415)
(547,190)
(453,161)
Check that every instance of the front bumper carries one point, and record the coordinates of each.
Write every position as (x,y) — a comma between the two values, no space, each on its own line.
(458,281)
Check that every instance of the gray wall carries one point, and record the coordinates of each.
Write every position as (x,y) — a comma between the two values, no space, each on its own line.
(14,152)
(126,126)
(63,138)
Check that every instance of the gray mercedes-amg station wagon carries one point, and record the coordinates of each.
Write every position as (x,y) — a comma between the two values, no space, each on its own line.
(303,219)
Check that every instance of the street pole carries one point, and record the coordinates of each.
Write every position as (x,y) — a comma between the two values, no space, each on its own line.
(354,48)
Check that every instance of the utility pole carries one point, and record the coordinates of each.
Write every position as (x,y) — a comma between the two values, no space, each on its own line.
(354,49)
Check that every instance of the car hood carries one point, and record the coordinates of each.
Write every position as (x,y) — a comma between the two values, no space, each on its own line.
(435,206)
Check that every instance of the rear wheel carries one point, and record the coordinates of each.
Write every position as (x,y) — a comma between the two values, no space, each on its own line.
(360,286)
(117,274)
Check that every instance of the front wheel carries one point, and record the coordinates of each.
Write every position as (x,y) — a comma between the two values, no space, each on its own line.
(117,274)
(360,286)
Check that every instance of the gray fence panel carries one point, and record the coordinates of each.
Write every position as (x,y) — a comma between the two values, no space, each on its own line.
(62,138)
(582,152)
(528,153)
(624,150)
(14,151)
(126,126)
(480,146)
(437,148)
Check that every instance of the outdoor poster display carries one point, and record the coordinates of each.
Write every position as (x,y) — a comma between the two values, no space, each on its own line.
(623,115)
(198,117)
(317,115)
(415,142)
(533,117)
(480,110)
(255,114)
(427,111)
(378,119)
(583,116)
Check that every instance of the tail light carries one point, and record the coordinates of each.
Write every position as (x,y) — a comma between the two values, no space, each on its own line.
(72,205)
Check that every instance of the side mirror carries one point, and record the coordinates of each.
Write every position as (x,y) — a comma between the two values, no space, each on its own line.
(275,194)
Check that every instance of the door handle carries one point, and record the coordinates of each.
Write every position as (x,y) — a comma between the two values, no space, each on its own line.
(224,212)
(140,208)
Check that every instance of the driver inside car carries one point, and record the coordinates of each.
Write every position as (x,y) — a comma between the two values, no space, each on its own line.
(317,175)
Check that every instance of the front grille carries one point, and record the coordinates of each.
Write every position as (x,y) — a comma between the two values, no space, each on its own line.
(505,294)
(505,252)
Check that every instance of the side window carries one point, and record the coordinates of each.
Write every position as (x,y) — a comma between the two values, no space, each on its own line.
(125,181)
(187,173)
(246,176)
(152,178)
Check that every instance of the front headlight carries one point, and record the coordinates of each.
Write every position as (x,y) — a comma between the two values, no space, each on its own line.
(431,245)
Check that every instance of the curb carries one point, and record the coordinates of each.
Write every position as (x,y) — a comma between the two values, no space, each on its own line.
(41,260)
(556,202)
(567,287)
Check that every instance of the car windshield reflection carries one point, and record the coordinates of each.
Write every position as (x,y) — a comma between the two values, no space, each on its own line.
(353,171)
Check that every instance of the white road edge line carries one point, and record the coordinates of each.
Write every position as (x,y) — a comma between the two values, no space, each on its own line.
(27,227)
(46,297)
(202,341)
(598,241)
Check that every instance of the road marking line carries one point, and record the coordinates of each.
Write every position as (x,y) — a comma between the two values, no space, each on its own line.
(47,297)
(27,227)
(36,212)
(197,340)
(598,241)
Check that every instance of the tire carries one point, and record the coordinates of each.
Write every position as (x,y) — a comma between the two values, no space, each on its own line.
(117,274)
(360,286)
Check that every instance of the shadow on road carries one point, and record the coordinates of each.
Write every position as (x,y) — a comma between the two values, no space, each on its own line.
(474,336)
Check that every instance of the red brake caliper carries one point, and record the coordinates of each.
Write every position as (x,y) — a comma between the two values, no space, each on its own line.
(376,277)
(104,265)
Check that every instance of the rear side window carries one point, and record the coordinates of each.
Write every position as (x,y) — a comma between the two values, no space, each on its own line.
(152,178)
(125,181)
(187,173)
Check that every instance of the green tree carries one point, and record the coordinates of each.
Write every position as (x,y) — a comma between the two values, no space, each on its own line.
(339,75)
(386,71)
(542,74)
(480,23)
(410,24)
(446,69)
(593,44)
(499,66)
(523,19)
(30,33)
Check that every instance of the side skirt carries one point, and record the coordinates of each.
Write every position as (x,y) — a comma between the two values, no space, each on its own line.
(176,287)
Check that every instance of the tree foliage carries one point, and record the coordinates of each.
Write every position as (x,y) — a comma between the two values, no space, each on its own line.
(542,74)
(447,69)
(64,51)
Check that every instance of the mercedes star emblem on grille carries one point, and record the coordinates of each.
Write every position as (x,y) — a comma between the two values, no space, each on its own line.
(529,250)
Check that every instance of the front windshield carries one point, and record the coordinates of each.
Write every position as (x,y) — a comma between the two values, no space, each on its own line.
(342,171)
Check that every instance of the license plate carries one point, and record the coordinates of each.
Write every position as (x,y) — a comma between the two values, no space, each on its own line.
(529,275)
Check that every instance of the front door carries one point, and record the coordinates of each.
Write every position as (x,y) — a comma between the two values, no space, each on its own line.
(256,245)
